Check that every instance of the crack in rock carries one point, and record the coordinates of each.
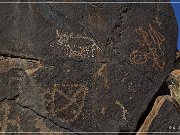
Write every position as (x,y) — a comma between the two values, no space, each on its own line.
(27,107)
(14,98)
(29,65)
(17,56)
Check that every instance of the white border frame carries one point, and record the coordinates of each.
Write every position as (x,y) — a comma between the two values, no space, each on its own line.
(95,2)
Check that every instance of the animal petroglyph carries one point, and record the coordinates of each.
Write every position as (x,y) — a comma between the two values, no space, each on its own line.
(77,45)
(66,101)
(6,121)
(30,66)
(125,112)
(153,40)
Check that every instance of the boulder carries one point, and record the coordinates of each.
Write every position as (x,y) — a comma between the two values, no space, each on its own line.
(91,67)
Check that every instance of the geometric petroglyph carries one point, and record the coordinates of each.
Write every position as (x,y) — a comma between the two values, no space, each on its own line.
(66,101)
(77,45)
(128,84)
(153,40)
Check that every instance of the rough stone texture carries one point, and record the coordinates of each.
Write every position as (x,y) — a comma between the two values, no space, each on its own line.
(86,67)
(15,118)
(164,117)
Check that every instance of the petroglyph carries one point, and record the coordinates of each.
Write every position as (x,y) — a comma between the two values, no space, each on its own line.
(66,101)
(103,110)
(6,121)
(156,21)
(153,40)
(125,112)
(102,73)
(127,84)
(138,57)
(30,66)
(77,45)
(157,37)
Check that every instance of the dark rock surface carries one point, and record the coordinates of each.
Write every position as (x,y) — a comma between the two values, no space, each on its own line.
(85,67)
(15,118)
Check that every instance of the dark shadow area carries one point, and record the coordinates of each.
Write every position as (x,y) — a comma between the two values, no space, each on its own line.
(14,56)
(177,63)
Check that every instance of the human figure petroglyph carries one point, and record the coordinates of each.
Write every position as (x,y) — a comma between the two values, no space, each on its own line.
(66,101)
(102,73)
(153,40)
(77,45)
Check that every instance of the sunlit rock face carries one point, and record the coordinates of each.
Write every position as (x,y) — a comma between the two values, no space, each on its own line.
(89,67)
